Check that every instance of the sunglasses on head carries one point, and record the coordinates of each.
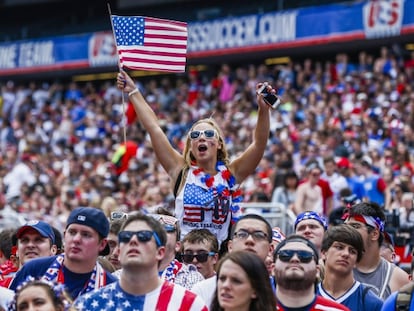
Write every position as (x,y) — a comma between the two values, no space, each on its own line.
(118,215)
(206,133)
(169,228)
(142,236)
(201,257)
(287,254)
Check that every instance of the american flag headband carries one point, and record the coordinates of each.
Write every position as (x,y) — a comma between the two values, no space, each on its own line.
(375,222)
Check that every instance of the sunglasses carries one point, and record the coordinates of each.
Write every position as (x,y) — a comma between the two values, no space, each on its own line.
(287,254)
(118,215)
(142,236)
(256,235)
(206,133)
(169,228)
(168,222)
(201,257)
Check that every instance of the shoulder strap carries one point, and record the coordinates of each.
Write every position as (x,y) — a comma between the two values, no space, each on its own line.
(180,180)
(387,279)
(402,302)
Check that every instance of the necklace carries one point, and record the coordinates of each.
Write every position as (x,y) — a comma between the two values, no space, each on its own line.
(222,191)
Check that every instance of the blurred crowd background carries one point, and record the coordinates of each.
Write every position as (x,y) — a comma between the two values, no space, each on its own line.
(65,143)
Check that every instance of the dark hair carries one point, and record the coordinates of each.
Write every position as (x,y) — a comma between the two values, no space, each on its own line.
(296,238)
(200,236)
(58,240)
(368,209)
(155,225)
(257,217)
(290,174)
(258,276)
(344,234)
(57,293)
(6,242)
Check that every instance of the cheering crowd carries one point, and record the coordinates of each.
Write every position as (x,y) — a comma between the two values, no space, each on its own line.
(154,167)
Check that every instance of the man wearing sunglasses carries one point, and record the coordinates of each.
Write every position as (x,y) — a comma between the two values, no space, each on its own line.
(200,248)
(251,233)
(296,274)
(342,248)
(142,242)
(170,268)
(383,276)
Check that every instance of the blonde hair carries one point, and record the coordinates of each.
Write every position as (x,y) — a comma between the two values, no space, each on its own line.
(222,154)
(108,205)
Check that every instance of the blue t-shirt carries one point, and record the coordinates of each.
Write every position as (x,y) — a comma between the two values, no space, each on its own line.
(358,297)
(74,282)
(389,303)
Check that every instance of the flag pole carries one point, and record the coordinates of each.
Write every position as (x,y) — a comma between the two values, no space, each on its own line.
(119,67)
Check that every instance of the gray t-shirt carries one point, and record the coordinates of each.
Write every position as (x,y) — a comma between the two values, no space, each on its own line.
(378,280)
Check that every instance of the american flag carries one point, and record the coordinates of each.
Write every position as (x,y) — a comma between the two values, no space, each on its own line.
(146,43)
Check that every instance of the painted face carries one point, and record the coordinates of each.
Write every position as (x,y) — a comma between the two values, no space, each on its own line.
(35,298)
(259,246)
(206,268)
(204,141)
(32,245)
(234,289)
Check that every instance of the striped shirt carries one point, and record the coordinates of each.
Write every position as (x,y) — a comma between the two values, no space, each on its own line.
(167,297)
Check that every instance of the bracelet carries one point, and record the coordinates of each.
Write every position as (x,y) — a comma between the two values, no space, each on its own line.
(133,92)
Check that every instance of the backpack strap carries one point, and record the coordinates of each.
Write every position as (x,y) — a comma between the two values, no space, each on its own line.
(180,180)
(403,300)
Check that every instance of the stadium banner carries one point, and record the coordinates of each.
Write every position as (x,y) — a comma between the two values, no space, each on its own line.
(244,34)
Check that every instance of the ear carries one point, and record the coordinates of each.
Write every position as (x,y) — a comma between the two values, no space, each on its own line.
(102,245)
(160,254)
(215,259)
(230,245)
(375,234)
(323,255)
(254,295)
(178,246)
(53,249)
(271,250)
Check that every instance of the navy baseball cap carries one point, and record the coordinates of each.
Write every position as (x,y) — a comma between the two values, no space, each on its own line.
(91,217)
(43,228)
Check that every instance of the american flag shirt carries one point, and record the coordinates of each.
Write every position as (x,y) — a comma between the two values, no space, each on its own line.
(167,297)
(198,206)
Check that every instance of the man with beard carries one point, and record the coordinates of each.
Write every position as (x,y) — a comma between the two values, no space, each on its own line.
(296,273)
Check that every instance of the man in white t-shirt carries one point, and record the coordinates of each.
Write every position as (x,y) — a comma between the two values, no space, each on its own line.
(251,233)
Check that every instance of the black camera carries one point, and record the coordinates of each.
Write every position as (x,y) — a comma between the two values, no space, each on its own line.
(271,99)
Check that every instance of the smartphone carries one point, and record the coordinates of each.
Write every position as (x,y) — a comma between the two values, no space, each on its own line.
(271,99)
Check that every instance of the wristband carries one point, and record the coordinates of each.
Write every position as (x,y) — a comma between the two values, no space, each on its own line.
(133,92)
